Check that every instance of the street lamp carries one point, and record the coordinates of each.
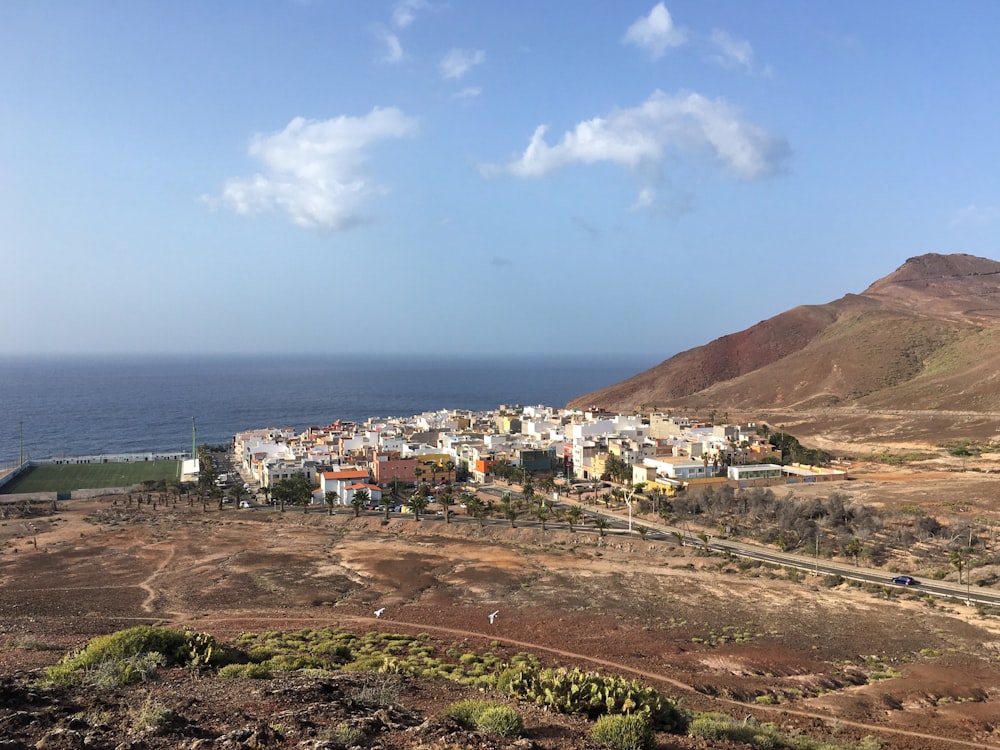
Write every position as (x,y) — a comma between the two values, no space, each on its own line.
(628,502)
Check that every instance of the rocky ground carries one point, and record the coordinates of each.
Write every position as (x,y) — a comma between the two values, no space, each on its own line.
(748,641)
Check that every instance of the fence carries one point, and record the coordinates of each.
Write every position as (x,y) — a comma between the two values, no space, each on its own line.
(11,469)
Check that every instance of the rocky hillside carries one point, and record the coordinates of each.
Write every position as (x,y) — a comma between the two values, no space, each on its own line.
(925,337)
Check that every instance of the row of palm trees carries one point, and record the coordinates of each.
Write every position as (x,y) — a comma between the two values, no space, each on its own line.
(510,507)
(297,490)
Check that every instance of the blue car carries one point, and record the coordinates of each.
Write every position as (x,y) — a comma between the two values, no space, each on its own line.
(905,581)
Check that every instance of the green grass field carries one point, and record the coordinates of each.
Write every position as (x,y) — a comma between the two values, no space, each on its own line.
(64,479)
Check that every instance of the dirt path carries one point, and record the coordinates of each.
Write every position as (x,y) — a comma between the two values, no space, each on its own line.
(147,584)
(650,610)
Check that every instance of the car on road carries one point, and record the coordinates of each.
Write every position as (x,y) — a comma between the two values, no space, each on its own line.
(905,581)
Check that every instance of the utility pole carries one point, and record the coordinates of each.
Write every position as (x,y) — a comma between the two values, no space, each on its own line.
(817,551)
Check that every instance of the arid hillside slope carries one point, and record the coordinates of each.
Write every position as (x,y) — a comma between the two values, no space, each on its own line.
(925,337)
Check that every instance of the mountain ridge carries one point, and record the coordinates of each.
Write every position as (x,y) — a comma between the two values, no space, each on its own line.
(924,337)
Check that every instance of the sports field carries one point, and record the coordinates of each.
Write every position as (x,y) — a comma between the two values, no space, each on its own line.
(63,479)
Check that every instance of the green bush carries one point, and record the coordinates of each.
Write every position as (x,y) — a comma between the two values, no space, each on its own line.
(716,726)
(487,716)
(467,712)
(623,732)
(115,672)
(346,735)
(245,671)
(502,721)
(292,663)
(134,654)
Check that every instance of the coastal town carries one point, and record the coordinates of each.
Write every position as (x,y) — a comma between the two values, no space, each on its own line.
(439,449)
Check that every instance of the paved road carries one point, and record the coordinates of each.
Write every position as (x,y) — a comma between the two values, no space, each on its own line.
(963,592)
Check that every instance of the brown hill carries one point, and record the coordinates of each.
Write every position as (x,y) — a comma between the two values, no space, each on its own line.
(925,337)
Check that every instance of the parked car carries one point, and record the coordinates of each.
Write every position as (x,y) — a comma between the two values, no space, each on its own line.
(905,581)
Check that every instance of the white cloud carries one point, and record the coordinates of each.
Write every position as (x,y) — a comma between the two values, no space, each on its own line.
(394,48)
(458,62)
(730,51)
(655,32)
(405,11)
(314,170)
(645,199)
(469,92)
(973,214)
(640,139)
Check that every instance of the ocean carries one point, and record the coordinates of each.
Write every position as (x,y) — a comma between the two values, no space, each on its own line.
(76,405)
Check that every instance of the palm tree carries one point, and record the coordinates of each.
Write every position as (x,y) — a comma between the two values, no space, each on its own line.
(219,494)
(417,503)
(600,523)
(386,502)
(573,514)
(359,499)
(331,497)
(527,484)
(237,492)
(446,500)
(509,508)
(475,508)
(267,494)
(542,514)
(548,486)
(502,469)
(296,489)
(853,548)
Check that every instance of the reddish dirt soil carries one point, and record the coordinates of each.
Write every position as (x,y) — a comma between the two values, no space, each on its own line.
(833,662)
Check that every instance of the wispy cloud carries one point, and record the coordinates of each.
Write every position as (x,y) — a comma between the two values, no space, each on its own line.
(393,47)
(469,92)
(655,33)
(729,51)
(973,214)
(405,11)
(458,62)
(641,139)
(315,170)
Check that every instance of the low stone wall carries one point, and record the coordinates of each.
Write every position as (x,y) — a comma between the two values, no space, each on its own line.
(50,497)
(87,494)
(33,497)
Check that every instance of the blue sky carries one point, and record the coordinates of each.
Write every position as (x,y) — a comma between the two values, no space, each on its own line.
(512,177)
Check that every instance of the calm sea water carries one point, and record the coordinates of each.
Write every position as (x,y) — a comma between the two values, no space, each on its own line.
(83,405)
